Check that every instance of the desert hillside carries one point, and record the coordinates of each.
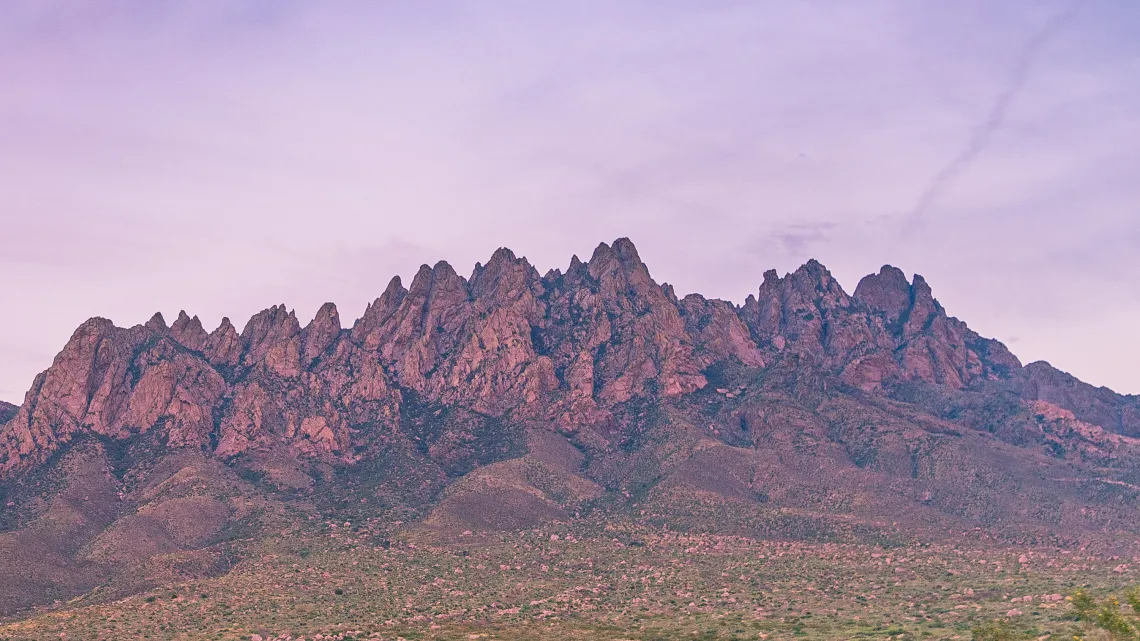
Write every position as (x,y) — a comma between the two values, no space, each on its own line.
(461,409)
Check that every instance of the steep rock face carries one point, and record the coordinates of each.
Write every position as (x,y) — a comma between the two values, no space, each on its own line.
(221,391)
(312,390)
(85,388)
(808,313)
(614,335)
(507,341)
(459,342)
(505,347)
(272,340)
(223,346)
(189,332)
(718,333)
(888,293)
(890,330)
(320,334)
(1101,406)
(115,382)
(498,362)
(931,346)
(175,390)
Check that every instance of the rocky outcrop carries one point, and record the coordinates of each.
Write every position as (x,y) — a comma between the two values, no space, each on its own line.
(503,347)
(613,335)
(1100,406)
(888,293)
(718,333)
(808,313)
(320,335)
(7,411)
(889,330)
(505,342)
(928,344)
(189,332)
(83,389)
(1066,434)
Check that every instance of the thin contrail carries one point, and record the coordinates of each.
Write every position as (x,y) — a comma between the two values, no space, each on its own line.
(1023,66)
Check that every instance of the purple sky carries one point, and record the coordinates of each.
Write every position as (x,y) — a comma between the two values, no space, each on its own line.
(223,156)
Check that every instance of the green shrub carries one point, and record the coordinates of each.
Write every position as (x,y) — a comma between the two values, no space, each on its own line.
(995,631)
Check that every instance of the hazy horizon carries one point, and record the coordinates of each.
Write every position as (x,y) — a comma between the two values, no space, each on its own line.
(225,157)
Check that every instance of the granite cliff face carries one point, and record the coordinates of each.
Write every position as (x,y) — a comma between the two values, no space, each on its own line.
(560,350)
(1098,405)
(563,348)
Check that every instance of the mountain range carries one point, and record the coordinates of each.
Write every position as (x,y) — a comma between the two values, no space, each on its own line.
(509,399)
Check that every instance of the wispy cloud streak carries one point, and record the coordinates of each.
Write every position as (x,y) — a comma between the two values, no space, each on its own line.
(995,118)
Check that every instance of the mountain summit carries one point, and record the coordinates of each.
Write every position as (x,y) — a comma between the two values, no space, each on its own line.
(511,398)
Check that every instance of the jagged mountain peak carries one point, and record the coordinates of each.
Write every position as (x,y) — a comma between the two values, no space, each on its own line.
(225,326)
(566,349)
(189,332)
(502,255)
(320,334)
(438,281)
(156,323)
(503,278)
(887,292)
(379,310)
(325,314)
(270,324)
(575,264)
(620,256)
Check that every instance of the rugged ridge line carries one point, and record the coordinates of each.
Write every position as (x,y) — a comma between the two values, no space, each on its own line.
(560,351)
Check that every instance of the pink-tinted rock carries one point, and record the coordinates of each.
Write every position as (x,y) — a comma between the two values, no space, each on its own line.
(567,350)
(319,335)
(189,332)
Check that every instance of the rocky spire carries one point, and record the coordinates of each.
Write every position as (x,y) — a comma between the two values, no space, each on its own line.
(319,334)
(223,345)
(272,337)
(887,293)
(379,311)
(189,332)
(156,323)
